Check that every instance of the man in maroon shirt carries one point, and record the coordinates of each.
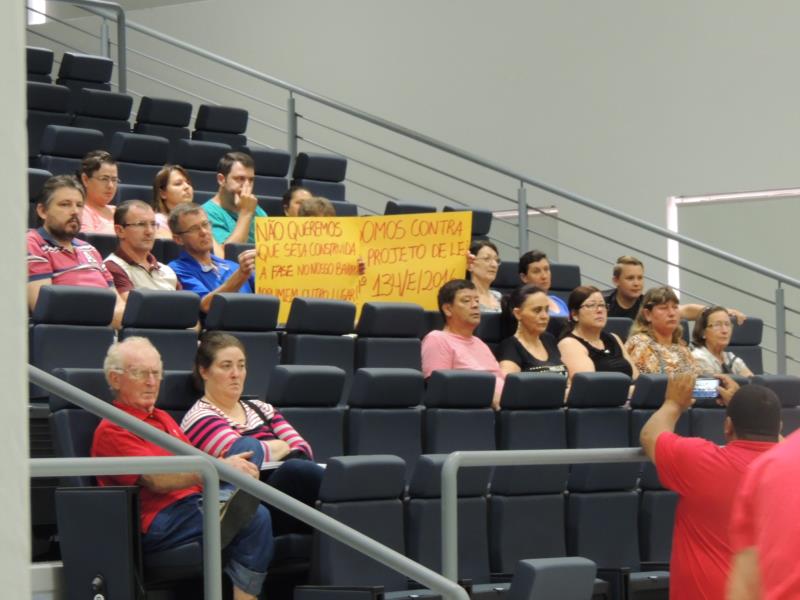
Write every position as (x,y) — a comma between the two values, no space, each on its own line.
(706,477)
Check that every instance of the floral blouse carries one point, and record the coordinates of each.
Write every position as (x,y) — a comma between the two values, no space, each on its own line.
(651,357)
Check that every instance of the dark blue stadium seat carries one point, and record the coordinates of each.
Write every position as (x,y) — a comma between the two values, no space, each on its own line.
(490,329)
(233,250)
(389,335)
(166,250)
(70,327)
(39,62)
(385,415)
(569,578)
(139,157)
(321,174)
(746,343)
(63,148)
(200,161)
(526,507)
(167,319)
(481,221)
(36,179)
(221,124)
(164,118)
(48,104)
(787,388)
(105,244)
(79,71)
(433,321)
(308,396)
(105,111)
(394,207)
(345,209)
(507,277)
(252,318)
(129,191)
(620,326)
(271,166)
(565,278)
(178,393)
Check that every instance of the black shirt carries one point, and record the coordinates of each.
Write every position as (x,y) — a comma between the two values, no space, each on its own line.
(511,349)
(615,310)
(610,358)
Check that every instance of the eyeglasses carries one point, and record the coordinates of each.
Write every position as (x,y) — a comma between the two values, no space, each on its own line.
(196,228)
(595,305)
(142,374)
(720,325)
(488,260)
(142,224)
(105,180)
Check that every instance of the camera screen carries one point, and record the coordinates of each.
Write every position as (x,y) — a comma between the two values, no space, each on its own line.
(706,387)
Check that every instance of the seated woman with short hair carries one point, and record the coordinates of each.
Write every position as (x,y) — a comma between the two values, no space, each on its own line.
(482,271)
(711,335)
(531,348)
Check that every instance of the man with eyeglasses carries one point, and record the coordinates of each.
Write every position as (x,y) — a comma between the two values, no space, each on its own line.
(132,264)
(170,504)
(55,255)
(197,268)
(706,477)
(232,211)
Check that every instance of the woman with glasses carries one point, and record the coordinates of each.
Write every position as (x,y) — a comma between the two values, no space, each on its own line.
(584,346)
(98,174)
(711,335)
(171,186)
(531,348)
(482,272)
(222,423)
(656,342)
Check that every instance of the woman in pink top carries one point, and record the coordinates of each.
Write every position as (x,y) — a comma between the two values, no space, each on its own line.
(455,346)
(98,174)
(171,186)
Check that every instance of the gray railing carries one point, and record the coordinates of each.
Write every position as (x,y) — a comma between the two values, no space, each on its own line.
(522,180)
(264,492)
(498,458)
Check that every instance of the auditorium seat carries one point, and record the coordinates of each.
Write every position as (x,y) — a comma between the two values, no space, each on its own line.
(70,327)
(507,278)
(167,319)
(707,419)
(164,118)
(526,506)
(79,71)
(107,112)
(389,335)
(308,396)
(63,148)
(271,205)
(233,250)
(321,174)
(385,414)
(271,167)
(221,124)
(433,321)
(200,160)
(620,326)
(129,191)
(490,330)
(317,334)
(48,104)
(564,279)
(546,578)
(363,492)
(787,388)
(139,157)
(251,318)
(746,343)
(39,63)
(395,207)
(105,244)
(166,250)
(345,209)
(36,179)
(178,393)
(481,221)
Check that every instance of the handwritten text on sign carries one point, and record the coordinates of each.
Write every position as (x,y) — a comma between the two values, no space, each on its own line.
(407,257)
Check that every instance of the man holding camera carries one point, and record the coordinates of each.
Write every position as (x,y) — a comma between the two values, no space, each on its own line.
(706,477)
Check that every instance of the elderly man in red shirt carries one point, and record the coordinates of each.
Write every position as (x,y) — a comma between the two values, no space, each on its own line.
(706,477)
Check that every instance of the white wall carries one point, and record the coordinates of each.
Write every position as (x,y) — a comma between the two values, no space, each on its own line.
(15,549)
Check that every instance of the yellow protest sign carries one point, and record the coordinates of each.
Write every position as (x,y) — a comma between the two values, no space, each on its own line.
(407,258)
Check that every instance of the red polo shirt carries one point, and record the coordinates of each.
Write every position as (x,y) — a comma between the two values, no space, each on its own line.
(765,516)
(82,265)
(706,477)
(113,440)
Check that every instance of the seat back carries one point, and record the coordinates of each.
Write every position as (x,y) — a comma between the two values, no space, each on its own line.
(104,244)
(388,335)
(39,63)
(221,124)
(564,279)
(63,148)
(200,160)
(385,414)
(105,111)
(36,179)
(787,388)
(746,343)
(481,220)
(164,118)
(568,578)
(272,166)
(308,397)
(139,158)
(252,318)
(362,492)
(47,105)
(167,319)
(621,326)
(490,330)
(321,174)
(79,71)
(394,207)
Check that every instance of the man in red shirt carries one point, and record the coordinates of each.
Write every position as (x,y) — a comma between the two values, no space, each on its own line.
(765,529)
(170,503)
(706,477)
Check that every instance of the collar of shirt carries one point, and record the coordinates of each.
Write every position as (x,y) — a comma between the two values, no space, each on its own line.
(152,261)
(49,239)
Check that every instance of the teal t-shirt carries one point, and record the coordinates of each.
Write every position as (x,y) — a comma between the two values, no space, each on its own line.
(223,222)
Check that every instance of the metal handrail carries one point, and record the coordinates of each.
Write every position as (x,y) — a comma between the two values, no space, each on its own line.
(316,519)
(498,458)
(212,574)
(122,24)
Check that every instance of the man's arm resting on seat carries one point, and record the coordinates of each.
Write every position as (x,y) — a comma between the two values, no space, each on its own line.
(166,482)
(677,400)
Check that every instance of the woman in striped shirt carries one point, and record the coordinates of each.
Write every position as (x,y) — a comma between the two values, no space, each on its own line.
(222,423)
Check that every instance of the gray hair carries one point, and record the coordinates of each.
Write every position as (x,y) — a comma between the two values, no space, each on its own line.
(185,208)
(115,357)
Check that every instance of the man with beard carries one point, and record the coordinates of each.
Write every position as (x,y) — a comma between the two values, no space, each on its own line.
(55,255)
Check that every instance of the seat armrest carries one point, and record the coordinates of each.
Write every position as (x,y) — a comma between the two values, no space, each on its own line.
(501,577)
(337,592)
(654,566)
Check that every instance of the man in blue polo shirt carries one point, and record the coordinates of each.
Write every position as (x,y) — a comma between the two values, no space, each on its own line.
(233,210)
(197,268)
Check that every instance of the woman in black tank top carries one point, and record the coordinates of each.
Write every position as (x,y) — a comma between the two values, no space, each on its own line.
(584,346)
